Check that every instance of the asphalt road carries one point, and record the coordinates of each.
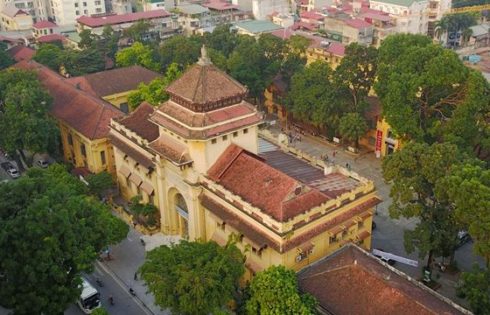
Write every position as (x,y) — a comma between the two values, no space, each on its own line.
(124,303)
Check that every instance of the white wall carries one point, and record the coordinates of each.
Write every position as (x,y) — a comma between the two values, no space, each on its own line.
(262,8)
(65,12)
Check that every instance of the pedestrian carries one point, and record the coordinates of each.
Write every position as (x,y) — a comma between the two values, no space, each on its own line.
(111,300)
(334,153)
(347,166)
(136,275)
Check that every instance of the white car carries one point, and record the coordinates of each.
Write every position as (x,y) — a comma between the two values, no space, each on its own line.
(42,163)
(14,173)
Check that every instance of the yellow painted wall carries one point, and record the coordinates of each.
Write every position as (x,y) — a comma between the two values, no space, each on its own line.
(383,127)
(315,54)
(117,99)
(92,158)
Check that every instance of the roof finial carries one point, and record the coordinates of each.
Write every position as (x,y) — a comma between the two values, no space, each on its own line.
(204,60)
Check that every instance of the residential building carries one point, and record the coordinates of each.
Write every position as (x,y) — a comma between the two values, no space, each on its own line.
(225,12)
(160,20)
(83,121)
(435,10)
(283,20)
(14,19)
(410,15)
(28,6)
(341,27)
(114,86)
(149,5)
(255,28)
(352,281)
(480,35)
(67,12)
(200,160)
(43,28)
(11,42)
(262,9)
(124,7)
(193,17)
(319,48)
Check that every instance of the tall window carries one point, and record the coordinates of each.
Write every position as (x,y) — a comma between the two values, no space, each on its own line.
(102,157)
(83,150)
(70,139)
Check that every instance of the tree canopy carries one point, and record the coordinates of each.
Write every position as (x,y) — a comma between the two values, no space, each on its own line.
(137,54)
(193,277)
(352,126)
(475,287)
(51,232)
(24,116)
(275,291)
(416,173)
(5,59)
(154,92)
(428,94)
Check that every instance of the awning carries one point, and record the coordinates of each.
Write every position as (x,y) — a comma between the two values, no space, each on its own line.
(366,214)
(135,179)
(336,230)
(147,188)
(125,171)
(306,247)
(218,239)
(363,235)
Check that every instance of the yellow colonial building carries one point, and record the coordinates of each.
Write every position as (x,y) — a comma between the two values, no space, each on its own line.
(114,86)
(83,121)
(200,160)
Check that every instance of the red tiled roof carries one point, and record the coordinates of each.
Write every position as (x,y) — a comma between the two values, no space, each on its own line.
(44,24)
(11,11)
(312,15)
(261,185)
(51,38)
(377,16)
(357,23)
(123,18)
(284,34)
(336,48)
(170,149)
(138,122)
(83,112)
(206,87)
(303,25)
(350,281)
(220,5)
(21,52)
(114,81)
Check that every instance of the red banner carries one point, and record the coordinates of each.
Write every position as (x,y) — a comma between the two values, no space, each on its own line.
(379,140)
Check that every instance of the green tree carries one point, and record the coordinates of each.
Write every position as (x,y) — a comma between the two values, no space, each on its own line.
(415,173)
(138,30)
(468,188)
(420,86)
(99,183)
(51,232)
(221,39)
(355,75)
(5,59)
(352,126)
(193,277)
(459,22)
(475,288)
(87,39)
(145,212)
(100,311)
(312,97)
(50,56)
(79,63)
(182,50)
(154,92)
(24,119)
(275,291)
(137,54)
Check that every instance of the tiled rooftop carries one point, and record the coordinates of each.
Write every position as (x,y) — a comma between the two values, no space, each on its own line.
(331,185)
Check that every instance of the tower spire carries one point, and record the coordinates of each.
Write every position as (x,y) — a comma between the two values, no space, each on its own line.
(204,59)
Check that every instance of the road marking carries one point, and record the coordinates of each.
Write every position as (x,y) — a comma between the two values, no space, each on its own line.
(123,286)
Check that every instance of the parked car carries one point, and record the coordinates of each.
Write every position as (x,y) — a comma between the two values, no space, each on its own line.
(10,169)
(390,262)
(463,238)
(42,163)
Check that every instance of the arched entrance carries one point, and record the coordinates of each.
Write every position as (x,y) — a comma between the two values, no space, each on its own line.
(182,215)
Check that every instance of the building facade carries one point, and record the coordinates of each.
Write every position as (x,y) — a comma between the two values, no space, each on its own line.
(410,15)
(200,160)
(14,19)
(67,12)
